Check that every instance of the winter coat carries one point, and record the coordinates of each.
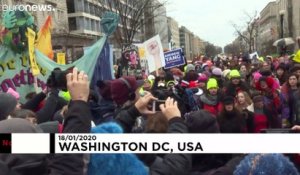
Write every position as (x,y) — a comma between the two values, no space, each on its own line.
(126,118)
(288,100)
(296,111)
(33,104)
(173,164)
(260,122)
(77,120)
(53,103)
(273,104)
(103,111)
(211,104)
(232,122)
(249,117)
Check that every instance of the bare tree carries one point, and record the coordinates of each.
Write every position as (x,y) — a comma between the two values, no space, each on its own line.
(249,31)
(134,14)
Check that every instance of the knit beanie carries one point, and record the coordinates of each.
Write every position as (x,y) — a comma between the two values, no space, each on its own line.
(228,100)
(190,67)
(217,71)
(125,164)
(8,104)
(234,74)
(201,121)
(202,78)
(13,93)
(256,76)
(273,164)
(120,91)
(297,57)
(225,73)
(212,83)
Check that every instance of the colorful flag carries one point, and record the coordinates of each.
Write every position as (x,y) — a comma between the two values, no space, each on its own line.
(43,43)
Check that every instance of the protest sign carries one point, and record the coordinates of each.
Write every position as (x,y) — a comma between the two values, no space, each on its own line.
(154,53)
(174,58)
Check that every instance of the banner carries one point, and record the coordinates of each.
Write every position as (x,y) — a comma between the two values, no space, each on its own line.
(103,69)
(42,143)
(15,70)
(61,58)
(31,37)
(174,58)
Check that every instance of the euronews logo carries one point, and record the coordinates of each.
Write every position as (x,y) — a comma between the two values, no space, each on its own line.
(27,7)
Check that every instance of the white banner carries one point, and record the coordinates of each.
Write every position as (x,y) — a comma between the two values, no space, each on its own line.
(178,143)
(156,143)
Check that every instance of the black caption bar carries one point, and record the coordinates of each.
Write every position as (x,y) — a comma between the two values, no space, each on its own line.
(5,143)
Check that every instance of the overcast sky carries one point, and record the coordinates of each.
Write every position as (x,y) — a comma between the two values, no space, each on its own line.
(210,19)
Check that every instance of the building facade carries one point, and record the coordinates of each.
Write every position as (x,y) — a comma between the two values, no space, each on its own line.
(174,37)
(199,46)
(289,10)
(185,42)
(268,31)
(161,24)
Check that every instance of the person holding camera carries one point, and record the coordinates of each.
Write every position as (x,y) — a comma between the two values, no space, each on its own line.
(77,120)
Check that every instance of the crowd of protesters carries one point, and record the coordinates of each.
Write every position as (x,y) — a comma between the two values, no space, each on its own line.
(226,95)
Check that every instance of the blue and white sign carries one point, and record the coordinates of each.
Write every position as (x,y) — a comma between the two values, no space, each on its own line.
(174,58)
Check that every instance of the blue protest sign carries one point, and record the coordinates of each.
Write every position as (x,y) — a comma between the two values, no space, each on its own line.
(174,58)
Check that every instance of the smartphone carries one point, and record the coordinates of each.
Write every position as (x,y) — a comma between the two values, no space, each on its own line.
(279,130)
(155,105)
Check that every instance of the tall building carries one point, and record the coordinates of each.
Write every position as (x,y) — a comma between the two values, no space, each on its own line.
(161,23)
(192,46)
(296,22)
(83,17)
(185,42)
(199,46)
(174,37)
(268,29)
(289,11)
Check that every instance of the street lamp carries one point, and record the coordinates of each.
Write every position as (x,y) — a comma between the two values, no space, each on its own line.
(282,48)
(281,13)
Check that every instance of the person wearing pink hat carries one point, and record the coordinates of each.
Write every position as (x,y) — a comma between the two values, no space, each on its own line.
(202,79)
(13,93)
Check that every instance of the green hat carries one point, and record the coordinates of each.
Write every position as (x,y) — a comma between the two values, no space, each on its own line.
(297,57)
(212,83)
(234,74)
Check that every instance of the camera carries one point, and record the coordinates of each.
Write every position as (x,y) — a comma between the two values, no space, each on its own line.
(156,104)
(58,79)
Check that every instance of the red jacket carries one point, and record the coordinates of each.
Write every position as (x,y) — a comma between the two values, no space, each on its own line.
(260,122)
(213,109)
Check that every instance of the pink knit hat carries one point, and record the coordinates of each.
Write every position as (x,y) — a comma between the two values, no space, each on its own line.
(256,76)
(13,93)
(202,78)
